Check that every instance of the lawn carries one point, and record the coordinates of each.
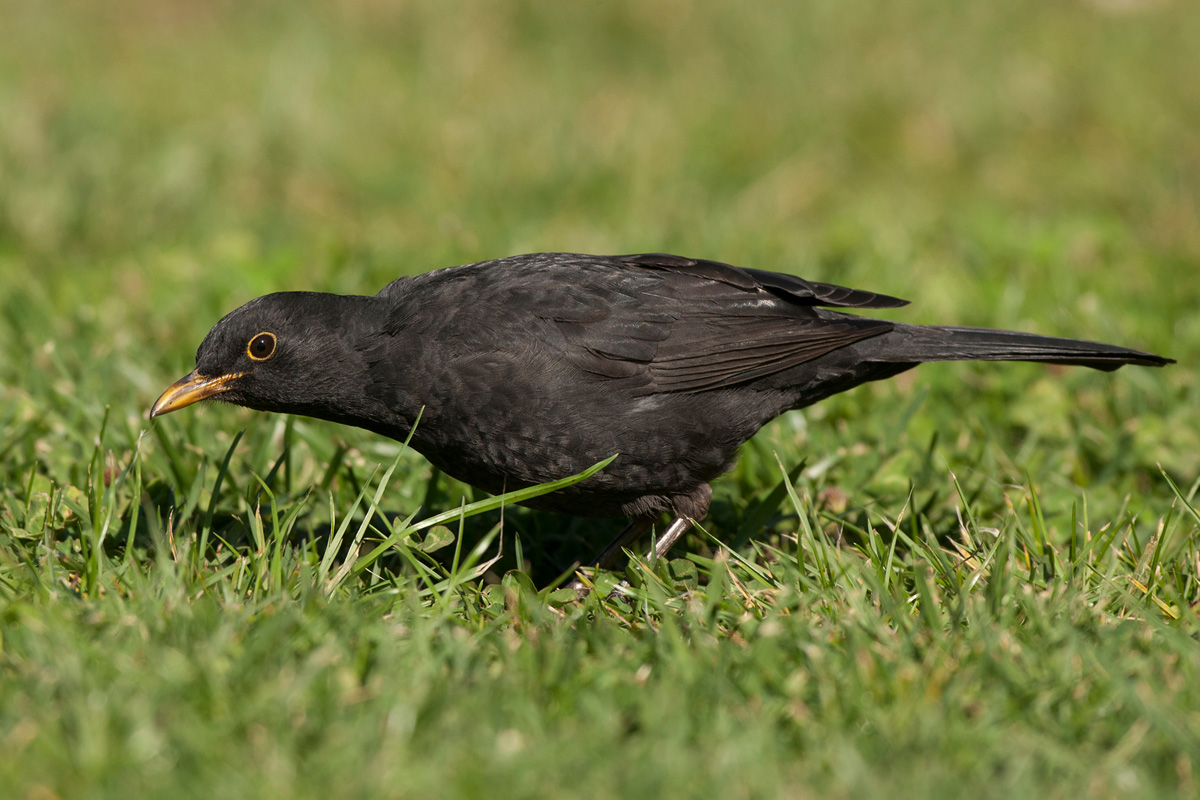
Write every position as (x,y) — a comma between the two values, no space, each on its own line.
(973,580)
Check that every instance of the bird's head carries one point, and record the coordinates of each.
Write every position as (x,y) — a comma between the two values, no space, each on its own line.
(292,352)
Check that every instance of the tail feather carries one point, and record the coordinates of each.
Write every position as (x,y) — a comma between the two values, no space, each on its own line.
(921,343)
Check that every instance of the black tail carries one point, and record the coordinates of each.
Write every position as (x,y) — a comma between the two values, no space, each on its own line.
(921,343)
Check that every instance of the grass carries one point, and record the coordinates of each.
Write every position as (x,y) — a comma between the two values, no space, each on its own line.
(969,581)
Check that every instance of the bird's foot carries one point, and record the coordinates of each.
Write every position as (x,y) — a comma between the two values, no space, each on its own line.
(678,527)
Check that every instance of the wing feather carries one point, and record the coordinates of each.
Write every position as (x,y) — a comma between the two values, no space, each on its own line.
(733,360)
(701,325)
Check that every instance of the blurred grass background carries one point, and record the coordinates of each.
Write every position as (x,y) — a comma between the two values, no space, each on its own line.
(1023,165)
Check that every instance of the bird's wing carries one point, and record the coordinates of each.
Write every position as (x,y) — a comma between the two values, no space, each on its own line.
(748,350)
(680,325)
(788,287)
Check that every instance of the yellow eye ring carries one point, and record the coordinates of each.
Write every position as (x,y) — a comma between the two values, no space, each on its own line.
(262,346)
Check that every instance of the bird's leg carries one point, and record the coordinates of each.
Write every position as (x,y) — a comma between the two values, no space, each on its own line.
(630,534)
(612,551)
(678,527)
(635,530)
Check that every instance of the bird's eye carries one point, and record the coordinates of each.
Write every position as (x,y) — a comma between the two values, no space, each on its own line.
(261,346)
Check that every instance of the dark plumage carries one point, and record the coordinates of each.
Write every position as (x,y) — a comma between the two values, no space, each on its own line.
(534,367)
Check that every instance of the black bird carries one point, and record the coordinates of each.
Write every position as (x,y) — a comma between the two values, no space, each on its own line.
(532,368)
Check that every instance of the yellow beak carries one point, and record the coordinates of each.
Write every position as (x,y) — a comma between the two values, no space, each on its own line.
(191,388)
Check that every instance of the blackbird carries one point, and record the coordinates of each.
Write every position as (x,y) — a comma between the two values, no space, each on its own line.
(532,368)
